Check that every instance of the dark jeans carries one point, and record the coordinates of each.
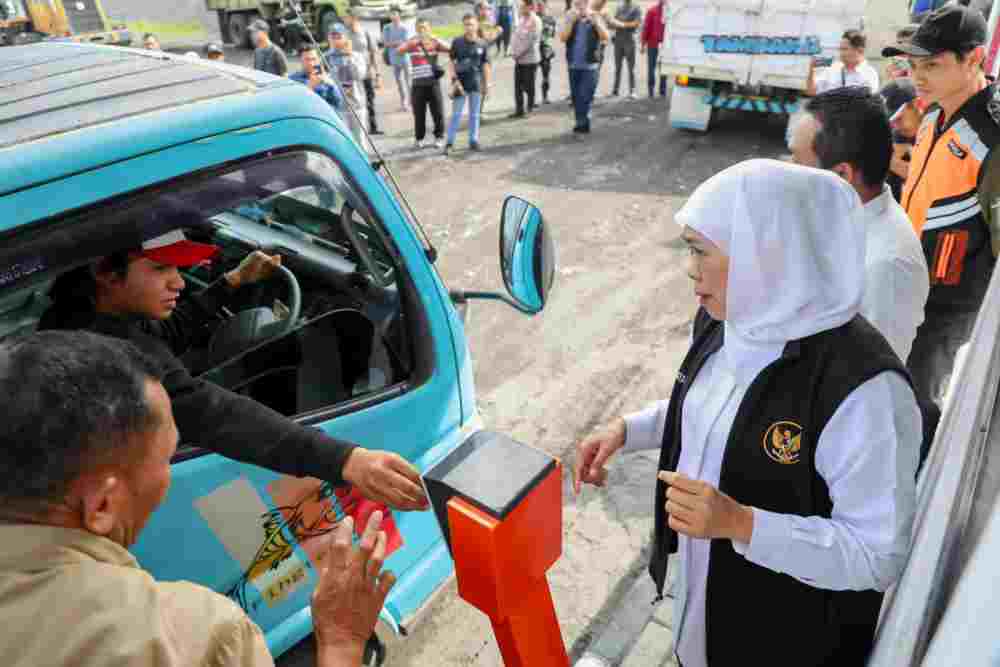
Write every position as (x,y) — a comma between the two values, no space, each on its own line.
(422,97)
(524,87)
(653,54)
(624,51)
(931,361)
(582,84)
(546,67)
(370,103)
(505,19)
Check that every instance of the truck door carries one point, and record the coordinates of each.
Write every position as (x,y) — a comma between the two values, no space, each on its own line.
(362,351)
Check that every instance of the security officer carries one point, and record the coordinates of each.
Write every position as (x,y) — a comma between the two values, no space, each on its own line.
(952,190)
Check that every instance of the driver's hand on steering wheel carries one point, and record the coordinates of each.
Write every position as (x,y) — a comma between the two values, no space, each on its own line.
(255,267)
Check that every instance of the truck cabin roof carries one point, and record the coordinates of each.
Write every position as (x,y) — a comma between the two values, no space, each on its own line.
(68,108)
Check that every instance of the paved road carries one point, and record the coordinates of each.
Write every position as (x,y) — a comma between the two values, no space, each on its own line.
(612,335)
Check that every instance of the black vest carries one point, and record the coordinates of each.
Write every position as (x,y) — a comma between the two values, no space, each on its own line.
(594,52)
(755,615)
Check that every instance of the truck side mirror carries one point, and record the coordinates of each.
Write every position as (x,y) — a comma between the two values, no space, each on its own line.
(527,254)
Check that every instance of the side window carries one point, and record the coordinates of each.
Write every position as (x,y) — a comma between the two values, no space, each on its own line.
(349,338)
(329,329)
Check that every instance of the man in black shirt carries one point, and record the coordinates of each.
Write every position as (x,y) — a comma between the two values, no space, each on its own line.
(267,57)
(136,296)
(470,78)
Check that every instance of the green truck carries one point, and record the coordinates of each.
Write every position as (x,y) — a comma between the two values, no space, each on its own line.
(319,15)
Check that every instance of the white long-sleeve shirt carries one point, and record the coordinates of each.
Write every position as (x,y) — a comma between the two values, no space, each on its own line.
(867,454)
(896,277)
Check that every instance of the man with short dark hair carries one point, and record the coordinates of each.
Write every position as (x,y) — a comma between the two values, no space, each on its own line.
(470,76)
(313,76)
(267,57)
(846,131)
(85,448)
(952,192)
(851,70)
(150,42)
(584,35)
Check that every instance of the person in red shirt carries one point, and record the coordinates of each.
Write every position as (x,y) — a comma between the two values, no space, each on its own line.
(653,33)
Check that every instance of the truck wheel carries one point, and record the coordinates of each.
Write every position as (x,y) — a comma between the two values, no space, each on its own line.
(326,21)
(238,23)
(224,27)
(374,653)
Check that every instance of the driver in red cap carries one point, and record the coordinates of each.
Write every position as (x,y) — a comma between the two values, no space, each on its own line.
(137,295)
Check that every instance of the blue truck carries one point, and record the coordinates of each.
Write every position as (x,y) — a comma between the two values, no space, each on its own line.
(93,137)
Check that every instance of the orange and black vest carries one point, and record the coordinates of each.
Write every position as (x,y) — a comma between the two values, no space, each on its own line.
(941,197)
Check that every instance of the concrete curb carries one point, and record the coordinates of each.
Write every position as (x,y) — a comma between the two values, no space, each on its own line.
(624,627)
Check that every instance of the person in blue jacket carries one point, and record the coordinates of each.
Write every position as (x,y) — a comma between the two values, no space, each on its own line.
(319,82)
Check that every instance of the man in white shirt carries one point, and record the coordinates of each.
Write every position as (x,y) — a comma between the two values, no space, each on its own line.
(847,131)
(852,70)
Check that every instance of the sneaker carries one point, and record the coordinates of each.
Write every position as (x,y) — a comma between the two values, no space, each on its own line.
(516,114)
(447,149)
(633,96)
(376,132)
(404,107)
(419,143)
(474,146)
(613,93)
(438,143)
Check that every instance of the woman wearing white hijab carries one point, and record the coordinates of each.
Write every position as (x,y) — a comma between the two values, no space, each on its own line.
(789,443)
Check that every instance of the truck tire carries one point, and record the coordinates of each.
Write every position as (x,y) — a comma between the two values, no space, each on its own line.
(326,21)
(224,27)
(374,653)
(238,23)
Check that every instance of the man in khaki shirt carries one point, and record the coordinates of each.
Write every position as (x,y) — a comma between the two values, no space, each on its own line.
(85,448)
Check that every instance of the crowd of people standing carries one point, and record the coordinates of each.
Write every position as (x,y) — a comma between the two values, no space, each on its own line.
(346,68)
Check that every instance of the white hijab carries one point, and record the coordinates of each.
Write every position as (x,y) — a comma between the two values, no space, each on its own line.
(796,246)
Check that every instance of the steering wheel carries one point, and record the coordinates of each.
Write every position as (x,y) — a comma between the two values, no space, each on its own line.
(248,328)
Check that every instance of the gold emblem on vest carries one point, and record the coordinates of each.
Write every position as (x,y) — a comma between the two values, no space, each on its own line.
(783,442)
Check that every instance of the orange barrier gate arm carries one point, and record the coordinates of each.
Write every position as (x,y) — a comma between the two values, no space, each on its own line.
(499,504)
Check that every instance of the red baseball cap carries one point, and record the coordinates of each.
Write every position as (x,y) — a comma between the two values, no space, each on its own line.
(174,249)
(162,238)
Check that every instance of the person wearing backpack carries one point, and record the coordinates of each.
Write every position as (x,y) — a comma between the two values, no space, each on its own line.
(425,91)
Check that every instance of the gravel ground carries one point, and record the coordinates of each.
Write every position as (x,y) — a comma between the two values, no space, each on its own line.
(612,335)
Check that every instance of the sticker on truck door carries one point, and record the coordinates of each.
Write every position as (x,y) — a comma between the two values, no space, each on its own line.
(268,543)
(756,44)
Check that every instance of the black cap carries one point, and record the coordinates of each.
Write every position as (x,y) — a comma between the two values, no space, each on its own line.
(213,49)
(950,28)
(898,92)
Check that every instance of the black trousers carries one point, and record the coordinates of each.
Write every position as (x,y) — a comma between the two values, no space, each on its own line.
(624,52)
(423,97)
(524,87)
(370,103)
(931,362)
(546,67)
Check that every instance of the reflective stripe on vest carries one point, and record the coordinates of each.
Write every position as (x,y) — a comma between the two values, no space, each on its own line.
(944,173)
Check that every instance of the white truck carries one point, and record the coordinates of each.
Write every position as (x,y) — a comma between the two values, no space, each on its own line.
(751,55)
